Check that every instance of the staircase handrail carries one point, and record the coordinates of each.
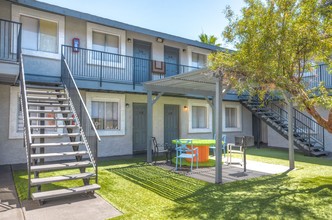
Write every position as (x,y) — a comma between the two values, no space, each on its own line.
(27,140)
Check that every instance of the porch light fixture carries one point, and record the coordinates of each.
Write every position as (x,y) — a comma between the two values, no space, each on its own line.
(129,40)
(185,108)
(127,105)
(160,40)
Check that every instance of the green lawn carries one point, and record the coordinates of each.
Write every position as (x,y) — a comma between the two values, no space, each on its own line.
(142,191)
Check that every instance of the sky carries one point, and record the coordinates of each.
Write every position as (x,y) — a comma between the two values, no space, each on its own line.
(184,18)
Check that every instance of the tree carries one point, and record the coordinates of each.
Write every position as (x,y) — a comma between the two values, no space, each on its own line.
(204,38)
(277,42)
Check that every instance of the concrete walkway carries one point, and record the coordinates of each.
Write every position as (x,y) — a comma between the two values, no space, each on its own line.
(231,172)
(78,207)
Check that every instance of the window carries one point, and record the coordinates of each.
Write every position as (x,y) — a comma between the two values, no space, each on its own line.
(107,112)
(39,35)
(105,115)
(232,121)
(108,40)
(198,60)
(231,117)
(199,117)
(43,33)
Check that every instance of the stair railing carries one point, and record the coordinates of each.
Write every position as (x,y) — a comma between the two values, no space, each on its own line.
(25,113)
(88,130)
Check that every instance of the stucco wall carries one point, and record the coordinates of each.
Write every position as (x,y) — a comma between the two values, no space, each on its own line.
(11,150)
(5,10)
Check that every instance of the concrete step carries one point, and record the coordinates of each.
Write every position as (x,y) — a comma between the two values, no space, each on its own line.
(53,179)
(61,154)
(51,111)
(64,192)
(57,144)
(48,104)
(55,135)
(53,126)
(60,166)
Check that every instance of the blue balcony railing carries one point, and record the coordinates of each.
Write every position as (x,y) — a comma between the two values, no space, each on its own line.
(319,73)
(109,67)
(10,40)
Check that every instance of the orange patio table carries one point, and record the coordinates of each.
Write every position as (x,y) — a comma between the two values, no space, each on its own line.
(203,148)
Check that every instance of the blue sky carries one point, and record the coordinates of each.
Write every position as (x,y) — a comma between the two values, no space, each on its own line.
(185,18)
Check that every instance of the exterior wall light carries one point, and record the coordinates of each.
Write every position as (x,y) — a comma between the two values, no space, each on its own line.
(185,108)
(129,40)
(160,40)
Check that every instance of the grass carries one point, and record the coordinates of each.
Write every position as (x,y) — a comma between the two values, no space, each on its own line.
(142,191)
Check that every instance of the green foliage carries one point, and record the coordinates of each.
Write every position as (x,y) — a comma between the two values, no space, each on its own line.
(277,42)
(142,191)
(204,38)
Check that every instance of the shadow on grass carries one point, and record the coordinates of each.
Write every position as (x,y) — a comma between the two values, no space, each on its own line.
(265,197)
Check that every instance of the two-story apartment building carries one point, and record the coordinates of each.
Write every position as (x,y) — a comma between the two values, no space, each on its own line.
(109,61)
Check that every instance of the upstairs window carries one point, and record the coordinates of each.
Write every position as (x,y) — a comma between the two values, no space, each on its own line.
(198,60)
(39,35)
(105,42)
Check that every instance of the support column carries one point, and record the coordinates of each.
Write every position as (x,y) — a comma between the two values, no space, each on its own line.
(291,135)
(218,126)
(149,129)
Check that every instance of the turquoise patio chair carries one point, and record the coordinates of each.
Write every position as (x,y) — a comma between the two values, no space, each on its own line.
(223,147)
(183,152)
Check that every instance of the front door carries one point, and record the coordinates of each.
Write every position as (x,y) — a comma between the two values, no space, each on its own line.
(142,57)
(171,123)
(139,127)
(171,57)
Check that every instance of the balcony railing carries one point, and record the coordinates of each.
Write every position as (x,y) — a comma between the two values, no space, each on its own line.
(10,40)
(320,73)
(109,67)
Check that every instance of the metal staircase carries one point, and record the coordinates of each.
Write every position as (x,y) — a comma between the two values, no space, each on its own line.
(55,140)
(308,134)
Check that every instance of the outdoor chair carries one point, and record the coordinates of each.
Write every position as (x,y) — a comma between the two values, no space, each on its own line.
(159,148)
(235,148)
(183,152)
(223,147)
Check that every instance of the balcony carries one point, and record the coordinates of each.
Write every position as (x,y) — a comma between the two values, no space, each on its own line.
(102,70)
(10,47)
(318,74)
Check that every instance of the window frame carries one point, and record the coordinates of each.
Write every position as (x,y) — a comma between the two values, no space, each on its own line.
(18,11)
(198,103)
(121,34)
(238,108)
(109,97)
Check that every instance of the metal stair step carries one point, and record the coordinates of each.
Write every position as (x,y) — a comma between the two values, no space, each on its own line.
(52,126)
(60,166)
(64,192)
(48,155)
(48,104)
(316,148)
(58,144)
(319,153)
(46,180)
(45,92)
(51,111)
(54,118)
(46,98)
(45,87)
(55,135)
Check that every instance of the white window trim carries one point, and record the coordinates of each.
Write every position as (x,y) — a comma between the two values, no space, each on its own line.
(13,112)
(109,97)
(18,11)
(192,103)
(191,49)
(91,27)
(239,116)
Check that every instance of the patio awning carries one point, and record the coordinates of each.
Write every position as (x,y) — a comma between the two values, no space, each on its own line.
(201,82)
